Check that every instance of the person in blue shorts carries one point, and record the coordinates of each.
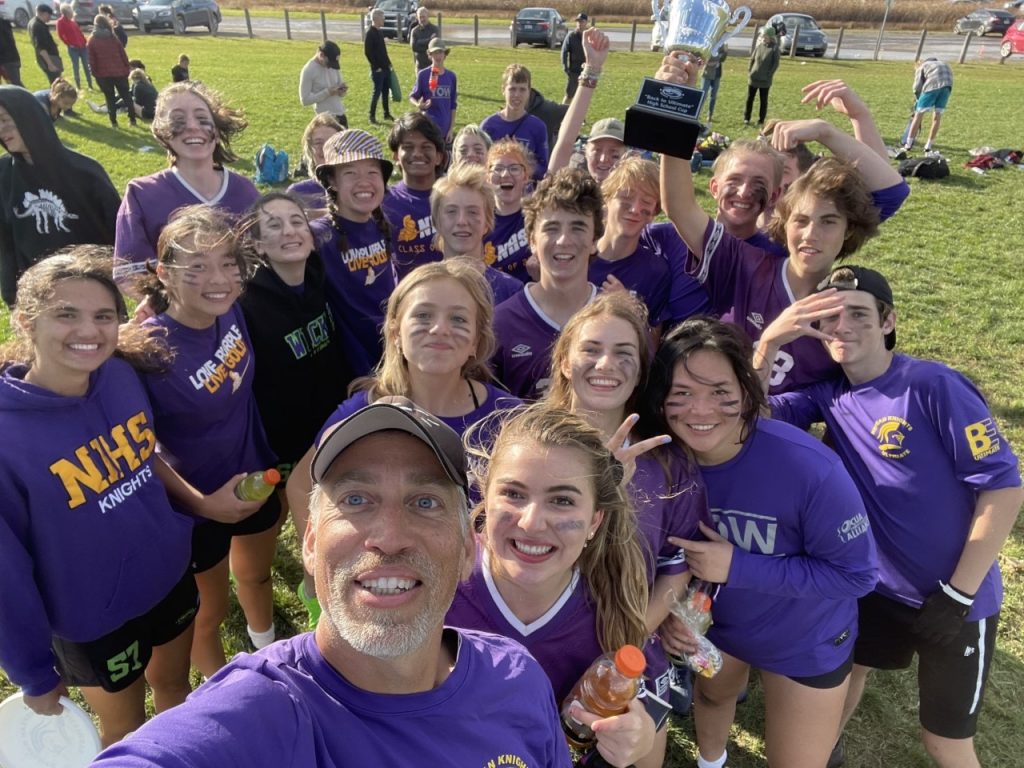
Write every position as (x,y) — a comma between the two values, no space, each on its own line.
(933,82)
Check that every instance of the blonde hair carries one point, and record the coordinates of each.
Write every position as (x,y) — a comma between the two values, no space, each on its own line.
(612,564)
(465,176)
(472,130)
(751,147)
(633,174)
(391,376)
(320,120)
(509,147)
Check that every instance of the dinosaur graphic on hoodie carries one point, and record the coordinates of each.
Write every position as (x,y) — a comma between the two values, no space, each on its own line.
(50,197)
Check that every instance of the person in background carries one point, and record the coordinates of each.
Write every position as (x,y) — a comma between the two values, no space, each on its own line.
(420,36)
(115,25)
(573,58)
(933,82)
(144,93)
(109,64)
(470,145)
(47,53)
(376,52)
(605,147)
(10,59)
(72,36)
(179,72)
(764,61)
(436,91)
(321,85)
(310,191)
(514,121)
(712,78)
(58,99)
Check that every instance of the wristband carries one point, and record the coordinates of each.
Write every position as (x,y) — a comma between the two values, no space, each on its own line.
(955,594)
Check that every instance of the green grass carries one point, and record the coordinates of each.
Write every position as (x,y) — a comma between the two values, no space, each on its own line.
(950,254)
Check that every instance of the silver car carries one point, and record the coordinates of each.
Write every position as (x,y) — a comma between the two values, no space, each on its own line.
(178,15)
(85,11)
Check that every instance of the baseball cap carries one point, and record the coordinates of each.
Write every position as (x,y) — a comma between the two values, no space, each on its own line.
(44,8)
(394,416)
(437,44)
(853,278)
(608,128)
(331,52)
(348,146)
(581,17)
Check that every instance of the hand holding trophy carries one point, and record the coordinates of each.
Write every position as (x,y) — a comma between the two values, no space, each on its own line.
(665,116)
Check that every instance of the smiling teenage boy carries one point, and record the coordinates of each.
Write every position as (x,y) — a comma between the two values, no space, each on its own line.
(942,489)
(564,221)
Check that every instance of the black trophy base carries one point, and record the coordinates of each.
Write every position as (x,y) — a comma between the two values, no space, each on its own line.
(671,135)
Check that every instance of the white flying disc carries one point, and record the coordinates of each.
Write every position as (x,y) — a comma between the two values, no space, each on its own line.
(28,740)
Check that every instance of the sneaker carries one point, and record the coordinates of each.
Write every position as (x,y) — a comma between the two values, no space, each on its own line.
(373,120)
(927,148)
(99,109)
(838,756)
(746,122)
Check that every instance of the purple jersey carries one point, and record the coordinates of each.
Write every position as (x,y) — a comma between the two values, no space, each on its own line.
(749,287)
(287,706)
(412,228)
(503,286)
(87,535)
(803,553)
(150,200)
(528,130)
(443,97)
(921,444)
(206,415)
(311,193)
(360,278)
(506,246)
(645,272)
(525,336)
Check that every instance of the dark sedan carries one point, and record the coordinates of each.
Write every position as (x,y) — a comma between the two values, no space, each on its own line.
(543,26)
(985,21)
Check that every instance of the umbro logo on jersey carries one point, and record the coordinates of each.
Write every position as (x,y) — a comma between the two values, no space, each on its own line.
(522,350)
(969,651)
(756,320)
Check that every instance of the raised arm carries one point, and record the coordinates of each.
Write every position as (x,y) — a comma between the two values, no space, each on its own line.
(595,49)
(843,99)
(677,194)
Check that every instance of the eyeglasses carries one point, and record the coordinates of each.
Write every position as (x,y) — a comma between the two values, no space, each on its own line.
(515,171)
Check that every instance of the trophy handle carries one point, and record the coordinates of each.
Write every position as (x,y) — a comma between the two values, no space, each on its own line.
(740,17)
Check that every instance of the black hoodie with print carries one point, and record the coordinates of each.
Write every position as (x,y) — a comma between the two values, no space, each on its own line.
(60,198)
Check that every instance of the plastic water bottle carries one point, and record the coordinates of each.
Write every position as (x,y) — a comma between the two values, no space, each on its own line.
(694,610)
(604,690)
(257,486)
(434,74)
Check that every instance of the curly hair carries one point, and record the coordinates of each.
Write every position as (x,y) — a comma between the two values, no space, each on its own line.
(839,182)
(228,121)
(136,344)
(567,189)
(612,563)
(509,147)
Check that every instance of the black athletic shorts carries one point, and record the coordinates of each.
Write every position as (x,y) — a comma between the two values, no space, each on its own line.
(950,678)
(211,541)
(119,658)
(827,680)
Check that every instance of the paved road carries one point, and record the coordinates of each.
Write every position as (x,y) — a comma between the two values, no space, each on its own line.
(858,44)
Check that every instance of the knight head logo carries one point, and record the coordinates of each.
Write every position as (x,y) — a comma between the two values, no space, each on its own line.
(409,230)
(489,254)
(891,434)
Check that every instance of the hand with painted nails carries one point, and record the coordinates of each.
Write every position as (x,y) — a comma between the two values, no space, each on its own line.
(709,560)
(627,452)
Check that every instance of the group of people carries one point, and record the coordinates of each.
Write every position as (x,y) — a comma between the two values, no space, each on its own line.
(515,417)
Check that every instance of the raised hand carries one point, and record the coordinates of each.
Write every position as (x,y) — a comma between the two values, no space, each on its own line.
(627,452)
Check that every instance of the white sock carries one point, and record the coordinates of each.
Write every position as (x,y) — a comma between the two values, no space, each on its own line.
(261,639)
(719,763)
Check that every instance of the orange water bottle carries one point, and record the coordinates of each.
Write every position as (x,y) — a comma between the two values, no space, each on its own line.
(257,486)
(604,690)
(434,74)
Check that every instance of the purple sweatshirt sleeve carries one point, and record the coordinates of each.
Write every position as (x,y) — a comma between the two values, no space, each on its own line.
(839,558)
(132,245)
(890,200)
(798,408)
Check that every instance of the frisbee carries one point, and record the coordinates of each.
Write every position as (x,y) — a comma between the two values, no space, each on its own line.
(28,740)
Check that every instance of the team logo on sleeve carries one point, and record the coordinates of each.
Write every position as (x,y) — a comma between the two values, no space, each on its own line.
(490,255)
(983,438)
(891,434)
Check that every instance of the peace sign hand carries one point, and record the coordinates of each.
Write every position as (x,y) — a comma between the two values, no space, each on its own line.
(627,454)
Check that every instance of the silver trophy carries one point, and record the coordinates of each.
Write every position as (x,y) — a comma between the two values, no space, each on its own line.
(664,118)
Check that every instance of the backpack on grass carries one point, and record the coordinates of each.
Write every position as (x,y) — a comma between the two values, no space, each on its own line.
(928,167)
(271,165)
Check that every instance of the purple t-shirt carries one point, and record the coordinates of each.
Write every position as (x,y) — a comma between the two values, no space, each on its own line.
(803,553)
(749,287)
(287,707)
(528,130)
(525,336)
(645,272)
(887,201)
(311,192)
(412,228)
(206,417)
(506,247)
(87,535)
(360,278)
(443,98)
(150,200)
(921,444)
(503,286)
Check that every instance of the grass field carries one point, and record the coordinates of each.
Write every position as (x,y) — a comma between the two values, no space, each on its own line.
(951,255)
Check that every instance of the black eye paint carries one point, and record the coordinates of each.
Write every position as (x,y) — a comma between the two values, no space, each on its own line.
(569,525)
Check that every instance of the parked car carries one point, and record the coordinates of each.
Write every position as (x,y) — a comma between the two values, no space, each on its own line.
(984,21)
(1013,4)
(18,12)
(813,41)
(178,15)
(85,10)
(538,25)
(1013,40)
(399,17)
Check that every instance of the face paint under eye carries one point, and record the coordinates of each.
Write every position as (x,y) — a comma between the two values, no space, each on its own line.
(729,407)
(569,525)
